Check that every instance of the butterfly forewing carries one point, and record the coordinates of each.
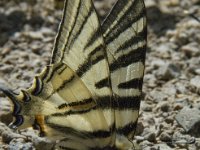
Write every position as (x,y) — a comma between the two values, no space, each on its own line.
(125,37)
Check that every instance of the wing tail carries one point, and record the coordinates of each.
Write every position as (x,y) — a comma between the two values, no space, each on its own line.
(59,104)
(16,109)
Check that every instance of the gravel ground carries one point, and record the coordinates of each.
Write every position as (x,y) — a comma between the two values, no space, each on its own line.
(170,110)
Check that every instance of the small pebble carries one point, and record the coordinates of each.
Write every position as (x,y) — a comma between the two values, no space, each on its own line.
(165,107)
(140,128)
(151,137)
(195,82)
(168,71)
(165,137)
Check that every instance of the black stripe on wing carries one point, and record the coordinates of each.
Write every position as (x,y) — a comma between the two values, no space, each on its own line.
(65,82)
(74,112)
(118,7)
(83,102)
(93,38)
(81,134)
(81,26)
(70,32)
(60,67)
(92,59)
(103,83)
(132,15)
(131,84)
(120,103)
(127,129)
(129,58)
(58,53)
(139,37)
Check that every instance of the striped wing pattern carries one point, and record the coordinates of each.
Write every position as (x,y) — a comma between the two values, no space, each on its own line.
(125,35)
(89,95)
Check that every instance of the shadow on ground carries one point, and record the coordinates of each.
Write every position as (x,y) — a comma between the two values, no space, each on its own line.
(160,22)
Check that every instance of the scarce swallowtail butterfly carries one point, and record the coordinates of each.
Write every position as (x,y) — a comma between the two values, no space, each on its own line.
(88,97)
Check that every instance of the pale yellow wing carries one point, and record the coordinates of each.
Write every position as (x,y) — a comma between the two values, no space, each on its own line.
(125,34)
(76,47)
(66,99)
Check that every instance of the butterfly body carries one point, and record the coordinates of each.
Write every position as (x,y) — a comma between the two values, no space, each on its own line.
(89,96)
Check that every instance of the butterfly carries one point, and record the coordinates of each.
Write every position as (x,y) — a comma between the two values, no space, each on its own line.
(88,97)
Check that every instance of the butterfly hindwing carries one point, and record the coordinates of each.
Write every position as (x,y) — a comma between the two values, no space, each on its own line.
(86,57)
(66,97)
